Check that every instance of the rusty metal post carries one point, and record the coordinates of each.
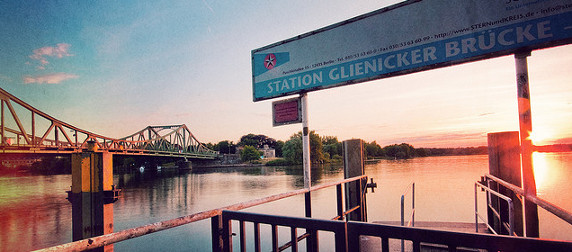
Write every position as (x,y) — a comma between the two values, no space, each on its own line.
(92,193)
(354,166)
(217,232)
(525,122)
(504,163)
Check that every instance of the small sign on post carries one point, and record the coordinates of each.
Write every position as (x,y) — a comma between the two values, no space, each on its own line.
(286,112)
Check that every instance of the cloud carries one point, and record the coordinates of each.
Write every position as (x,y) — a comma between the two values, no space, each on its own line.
(54,78)
(208,6)
(59,51)
(5,78)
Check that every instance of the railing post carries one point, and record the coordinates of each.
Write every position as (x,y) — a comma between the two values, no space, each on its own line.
(340,201)
(413,204)
(402,220)
(476,211)
(226,233)
(216,233)
(312,240)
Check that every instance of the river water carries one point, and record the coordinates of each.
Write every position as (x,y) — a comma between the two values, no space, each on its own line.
(34,212)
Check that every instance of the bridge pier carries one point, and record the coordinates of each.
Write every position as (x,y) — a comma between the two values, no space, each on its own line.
(185,165)
(92,194)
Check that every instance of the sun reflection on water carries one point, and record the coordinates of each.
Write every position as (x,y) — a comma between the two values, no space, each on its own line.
(547,171)
(541,170)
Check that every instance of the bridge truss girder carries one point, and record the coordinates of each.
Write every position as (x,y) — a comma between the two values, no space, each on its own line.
(25,129)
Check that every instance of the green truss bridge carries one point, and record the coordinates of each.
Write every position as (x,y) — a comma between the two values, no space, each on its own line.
(25,129)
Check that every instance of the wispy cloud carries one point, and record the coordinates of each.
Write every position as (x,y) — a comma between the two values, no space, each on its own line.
(41,54)
(5,78)
(54,78)
(208,6)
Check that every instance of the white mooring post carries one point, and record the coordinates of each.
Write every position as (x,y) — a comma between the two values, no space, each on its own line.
(525,122)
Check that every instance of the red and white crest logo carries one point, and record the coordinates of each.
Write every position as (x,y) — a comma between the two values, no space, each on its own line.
(270,61)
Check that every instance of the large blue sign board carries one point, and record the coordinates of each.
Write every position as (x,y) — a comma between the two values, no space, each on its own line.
(408,37)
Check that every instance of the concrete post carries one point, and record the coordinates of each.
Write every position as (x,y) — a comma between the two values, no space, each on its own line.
(504,163)
(354,166)
(92,193)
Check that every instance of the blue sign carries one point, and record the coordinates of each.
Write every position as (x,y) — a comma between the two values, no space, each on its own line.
(292,67)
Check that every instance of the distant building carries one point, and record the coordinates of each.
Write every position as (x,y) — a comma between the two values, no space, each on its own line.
(267,152)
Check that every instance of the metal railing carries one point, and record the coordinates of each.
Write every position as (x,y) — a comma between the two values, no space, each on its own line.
(559,212)
(452,240)
(214,215)
(347,235)
(508,226)
(411,222)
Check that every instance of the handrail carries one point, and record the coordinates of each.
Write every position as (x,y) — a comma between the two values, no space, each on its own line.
(510,227)
(559,212)
(347,235)
(412,220)
(103,240)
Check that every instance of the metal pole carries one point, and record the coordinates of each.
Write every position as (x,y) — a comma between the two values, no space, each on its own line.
(476,211)
(306,142)
(525,122)
(413,205)
(312,241)
(402,220)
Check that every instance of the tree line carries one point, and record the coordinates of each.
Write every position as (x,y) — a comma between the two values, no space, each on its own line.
(327,149)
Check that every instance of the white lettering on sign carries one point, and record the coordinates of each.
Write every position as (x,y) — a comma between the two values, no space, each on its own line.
(510,36)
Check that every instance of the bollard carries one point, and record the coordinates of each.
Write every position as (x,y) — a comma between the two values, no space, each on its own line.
(354,166)
(504,163)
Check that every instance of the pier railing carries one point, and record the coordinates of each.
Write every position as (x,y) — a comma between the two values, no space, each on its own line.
(554,209)
(348,235)
(508,226)
(411,222)
(485,184)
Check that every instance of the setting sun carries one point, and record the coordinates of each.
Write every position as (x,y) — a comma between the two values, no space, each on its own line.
(540,136)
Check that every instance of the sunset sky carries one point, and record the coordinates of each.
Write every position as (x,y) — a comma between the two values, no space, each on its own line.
(115,67)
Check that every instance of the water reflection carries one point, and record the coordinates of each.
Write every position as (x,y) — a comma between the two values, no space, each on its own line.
(34,212)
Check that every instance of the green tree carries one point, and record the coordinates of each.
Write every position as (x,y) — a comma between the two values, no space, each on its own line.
(373,150)
(292,149)
(332,146)
(257,141)
(225,147)
(249,153)
(401,151)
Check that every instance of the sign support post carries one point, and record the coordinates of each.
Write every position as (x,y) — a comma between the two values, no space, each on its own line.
(525,122)
(306,142)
